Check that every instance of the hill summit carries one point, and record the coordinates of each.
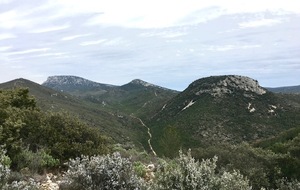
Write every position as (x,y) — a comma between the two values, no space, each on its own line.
(220,85)
(216,109)
(72,83)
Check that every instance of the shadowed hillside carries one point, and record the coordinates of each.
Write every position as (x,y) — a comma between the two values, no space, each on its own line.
(123,129)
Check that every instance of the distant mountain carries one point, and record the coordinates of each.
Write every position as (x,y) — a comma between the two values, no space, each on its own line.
(75,85)
(137,83)
(121,128)
(211,110)
(286,89)
(136,97)
(219,109)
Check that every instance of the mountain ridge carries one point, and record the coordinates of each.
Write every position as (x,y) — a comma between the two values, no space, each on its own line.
(215,109)
(124,130)
(226,108)
(60,79)
(136,97)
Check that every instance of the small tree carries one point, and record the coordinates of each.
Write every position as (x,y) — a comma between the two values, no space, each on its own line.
(170,142)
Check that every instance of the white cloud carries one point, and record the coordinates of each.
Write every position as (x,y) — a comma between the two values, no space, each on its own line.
(28,51)
(116,42)
(166,13)
(14,19)
(230,47)
(5,36)
(50,29)
(5,48)
(5,1)
(164,34)
(58,54)
(205,33)
(67,38)
(259,23)
(88,43)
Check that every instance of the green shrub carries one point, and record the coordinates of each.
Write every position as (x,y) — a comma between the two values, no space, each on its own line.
(139,169)
(36,161)
(187,173)
(4,168)
(5,173)
(110,172)
(284,184)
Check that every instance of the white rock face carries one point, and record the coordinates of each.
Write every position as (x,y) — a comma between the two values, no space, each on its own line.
(189,105)
(49,184)
(234,81)
(71,80)
(140,82)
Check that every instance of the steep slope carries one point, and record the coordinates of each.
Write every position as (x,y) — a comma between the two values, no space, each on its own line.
(123,129)
(137,97)
(142,98)
(221,109)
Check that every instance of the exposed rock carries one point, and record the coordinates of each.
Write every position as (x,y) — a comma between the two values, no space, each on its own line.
(149,176)
(251,109)
(49,184)
(141,82)
(231,83)
(189,105)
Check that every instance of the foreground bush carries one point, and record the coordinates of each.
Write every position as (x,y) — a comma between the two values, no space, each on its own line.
(115,172)
(101,172)
(187,173)
(5,174)
(4,168)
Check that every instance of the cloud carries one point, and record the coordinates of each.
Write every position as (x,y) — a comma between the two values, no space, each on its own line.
(67,38)
(259,23)
(89,43)
(14,19)
(53,54)
(173,41)
(50,29)
(5,36)
(5,1)
(5,48)
(167,13)
(230,47)
(28,51)
(164,34)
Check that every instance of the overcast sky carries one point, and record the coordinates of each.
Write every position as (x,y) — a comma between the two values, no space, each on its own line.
(170,43)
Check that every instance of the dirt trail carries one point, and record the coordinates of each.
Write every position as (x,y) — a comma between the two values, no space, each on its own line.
(149,133)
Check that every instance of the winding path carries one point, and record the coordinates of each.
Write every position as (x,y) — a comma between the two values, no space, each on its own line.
(149,133)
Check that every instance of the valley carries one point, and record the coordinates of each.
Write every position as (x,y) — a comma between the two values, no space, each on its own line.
(228,116)
(211,110)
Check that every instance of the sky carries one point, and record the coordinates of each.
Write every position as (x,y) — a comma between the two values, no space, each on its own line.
(170,43)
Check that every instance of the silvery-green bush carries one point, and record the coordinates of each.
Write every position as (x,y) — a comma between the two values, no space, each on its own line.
(5,174)
(101,172)
(4,168)
(185,173)
(285,184)
(29,184)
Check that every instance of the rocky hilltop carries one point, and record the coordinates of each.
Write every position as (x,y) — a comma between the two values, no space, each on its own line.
(73,83)
(217,109)
(219,86)
(136,97)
